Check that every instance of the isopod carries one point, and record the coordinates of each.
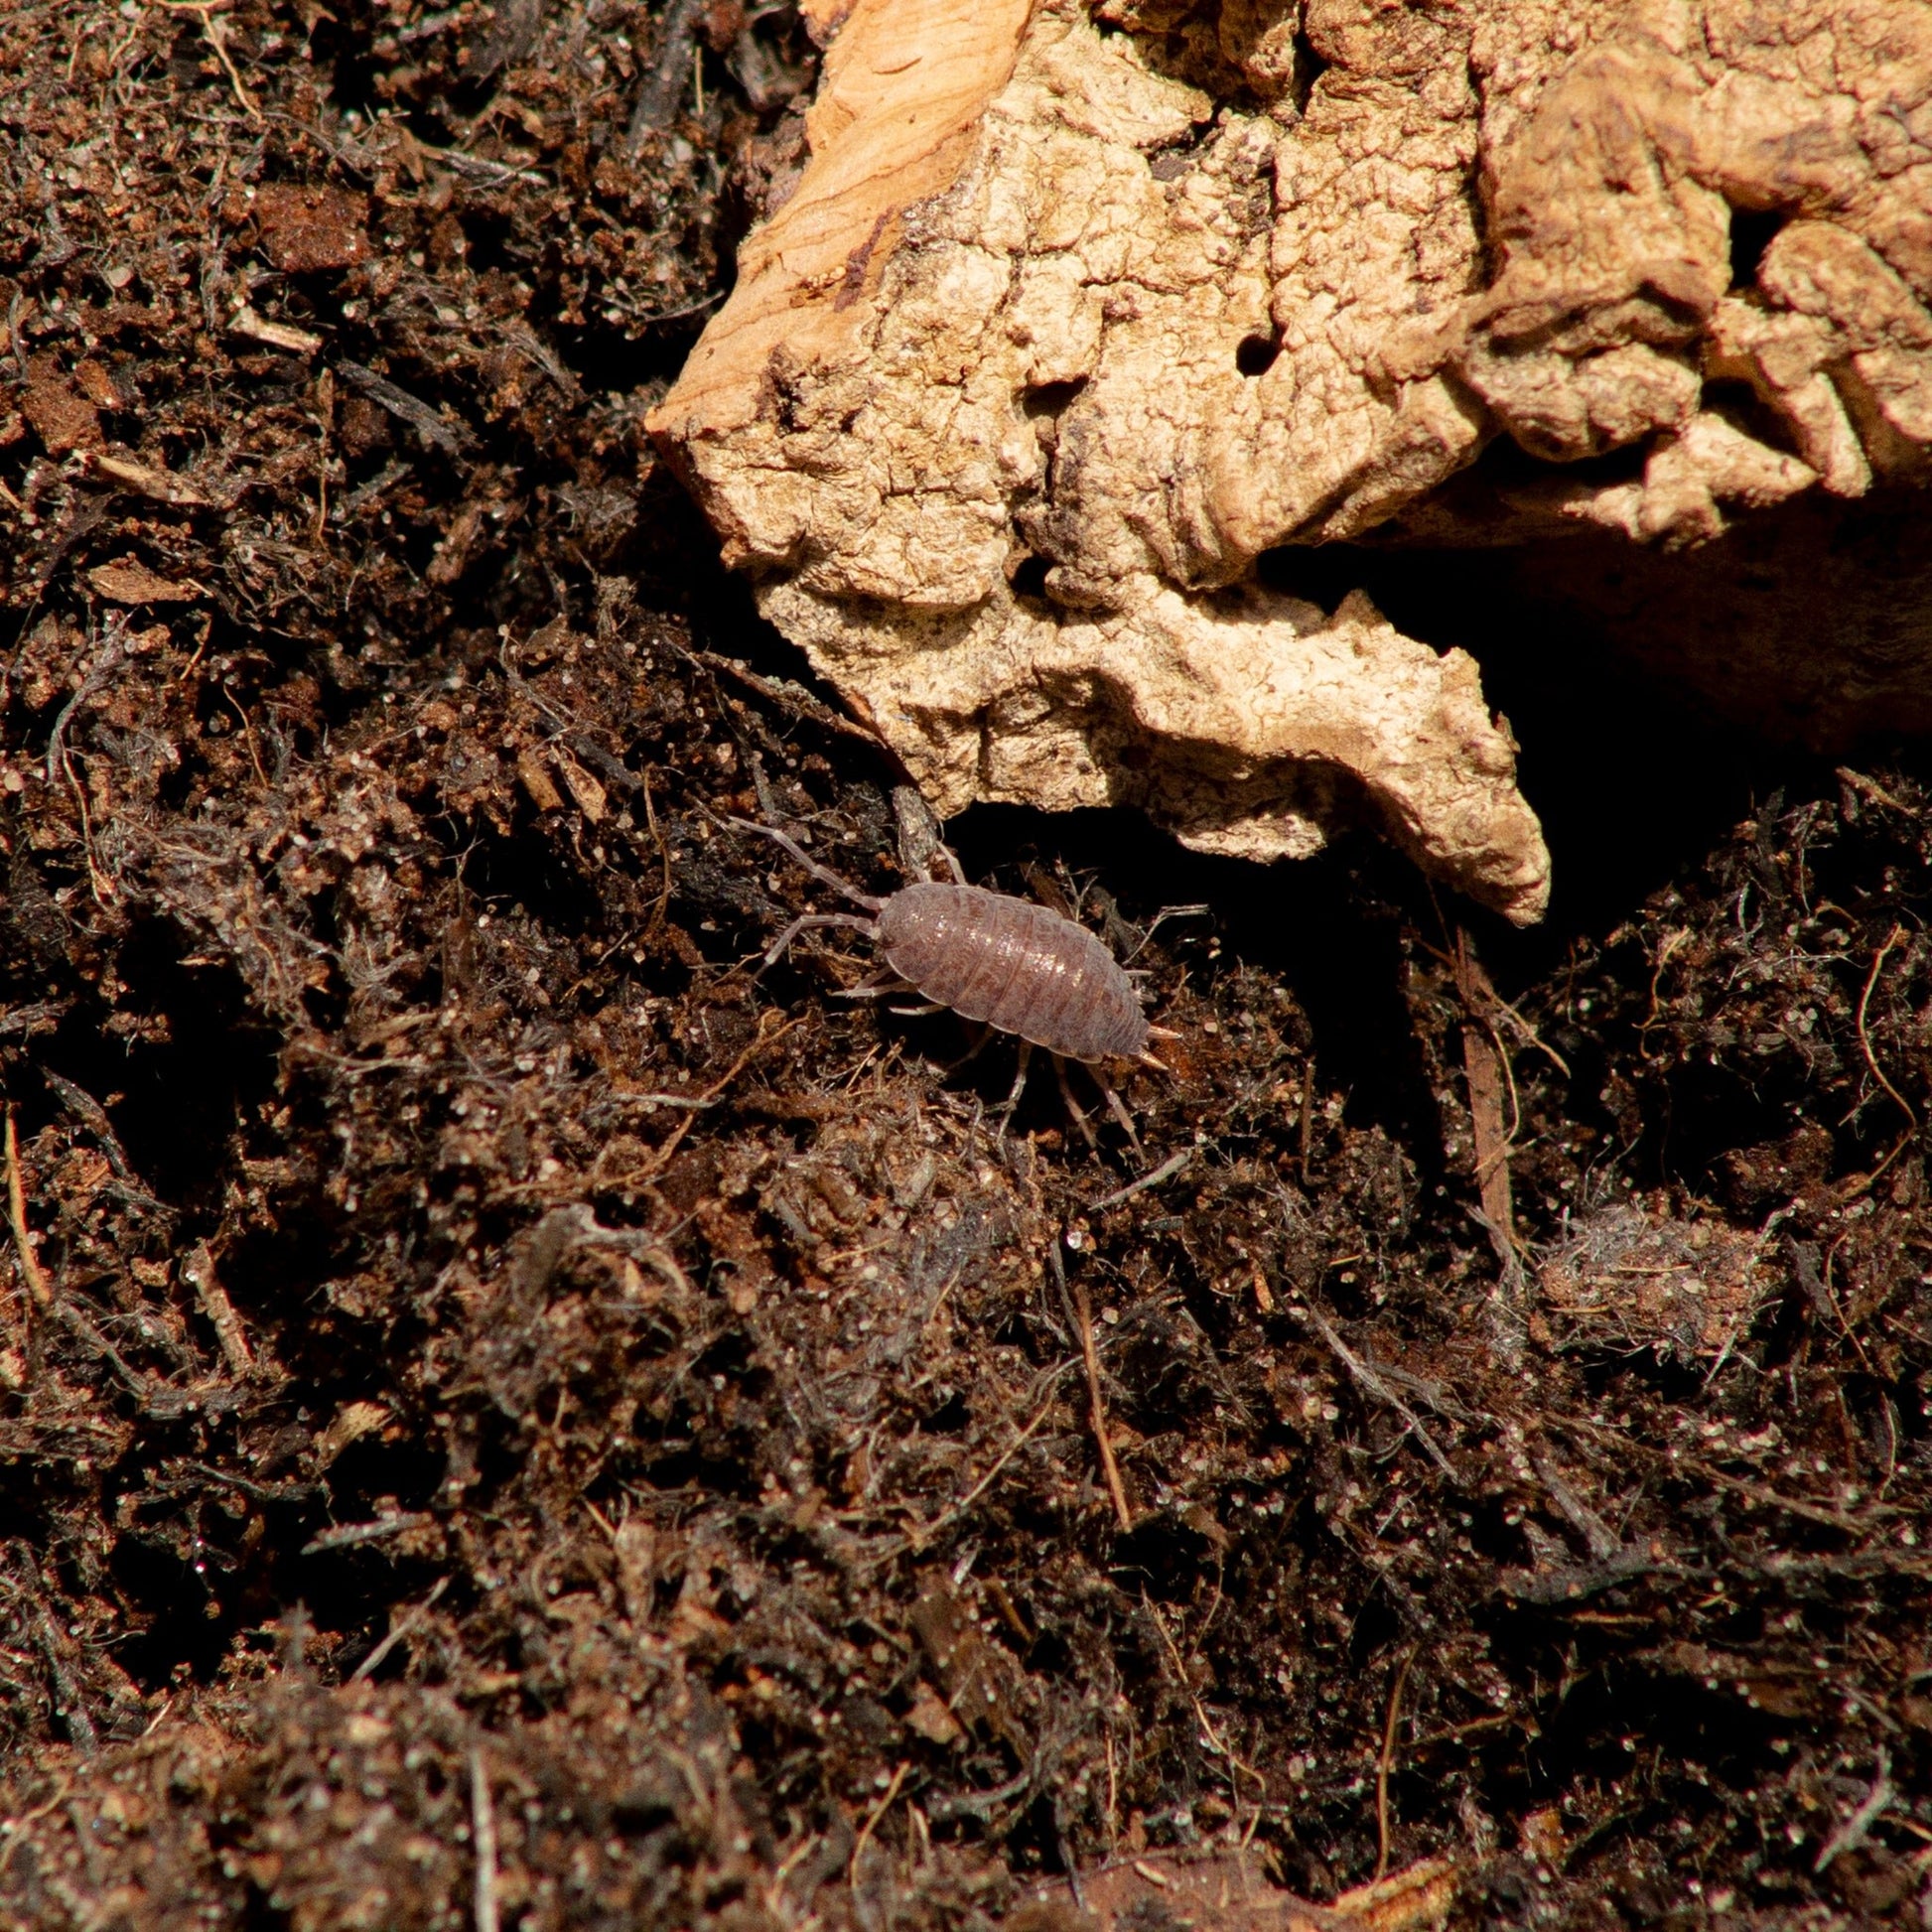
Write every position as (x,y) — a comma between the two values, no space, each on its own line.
(1003,962)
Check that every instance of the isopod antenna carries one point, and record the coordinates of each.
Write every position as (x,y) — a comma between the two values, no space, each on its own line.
(823,873)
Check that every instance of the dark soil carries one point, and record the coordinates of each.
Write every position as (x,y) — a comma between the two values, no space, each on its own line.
(492,1364)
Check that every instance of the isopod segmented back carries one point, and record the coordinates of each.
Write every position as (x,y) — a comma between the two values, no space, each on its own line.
(1015,966)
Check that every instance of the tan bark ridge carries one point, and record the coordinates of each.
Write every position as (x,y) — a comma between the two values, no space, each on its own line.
(1080,311)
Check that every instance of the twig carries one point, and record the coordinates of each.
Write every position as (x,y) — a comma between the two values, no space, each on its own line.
(1487,1068)
(1165,1172)
(262,1492)
(248,736)
(1597,1535)
(873,1817)
(529,344)
(1864,1039)
(197,1267)
(450,436)
(483,1832)
(1307,1136)
(1856,1829)
(113,649)
(205,11)
(790,697)
(683,1102)
(1378,1388)
(1869,788)
(70,1700)
(358,501)
(1211,1737)
(277,335)
(1672,940)
(1005,1456)
(40,1018)
(1115,1487)
(1674,1461)
(93,1117)
(1080,1314)
(656,923)
(325,408)
(400,1630)
(1387,1764)
(977,1804)
(160,484)
(1159,920)
(1571,1582)
(348,1535)
(143,1389)
(482,168)
(37,1289)
(1482,1068)
(1480,995)
(678,314)
(578,1224)
(1756,1492)
(657,98)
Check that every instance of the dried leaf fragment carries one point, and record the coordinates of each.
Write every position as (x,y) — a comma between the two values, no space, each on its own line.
(129,581)
(57,413)
(537,781)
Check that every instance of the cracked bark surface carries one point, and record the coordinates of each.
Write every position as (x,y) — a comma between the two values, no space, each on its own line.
(1078,311)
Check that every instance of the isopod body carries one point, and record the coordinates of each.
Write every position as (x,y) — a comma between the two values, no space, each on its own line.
(1015,966)
(1002,962)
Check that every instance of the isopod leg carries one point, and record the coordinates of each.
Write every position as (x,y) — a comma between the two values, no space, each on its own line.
(776,950)
(888,988)
(1019,1087)
(891,990)
(1073,1107)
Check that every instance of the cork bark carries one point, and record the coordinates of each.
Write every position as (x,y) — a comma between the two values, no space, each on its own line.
(1078,311)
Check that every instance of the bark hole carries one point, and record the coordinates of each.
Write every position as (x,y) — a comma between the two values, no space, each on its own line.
(1255,354)
(1753,230)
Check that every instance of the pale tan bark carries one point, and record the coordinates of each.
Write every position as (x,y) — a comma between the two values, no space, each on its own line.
(1079,310)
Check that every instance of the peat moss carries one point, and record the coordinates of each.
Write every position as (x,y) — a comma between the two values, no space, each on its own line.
(499,1340)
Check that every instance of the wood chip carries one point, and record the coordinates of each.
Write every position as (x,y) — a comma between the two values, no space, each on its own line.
(197,1268)
(38,1291)
(277,335)
(129,581)
(351,1421)
(161,484)
(591,798)
(1482,1068)
(537,781)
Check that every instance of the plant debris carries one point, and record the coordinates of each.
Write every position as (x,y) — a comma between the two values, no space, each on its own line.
(511,1413)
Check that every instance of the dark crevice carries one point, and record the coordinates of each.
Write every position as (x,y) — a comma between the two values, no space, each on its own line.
(1256,355)
(1051,398)
(1753,230)
(1029,576)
